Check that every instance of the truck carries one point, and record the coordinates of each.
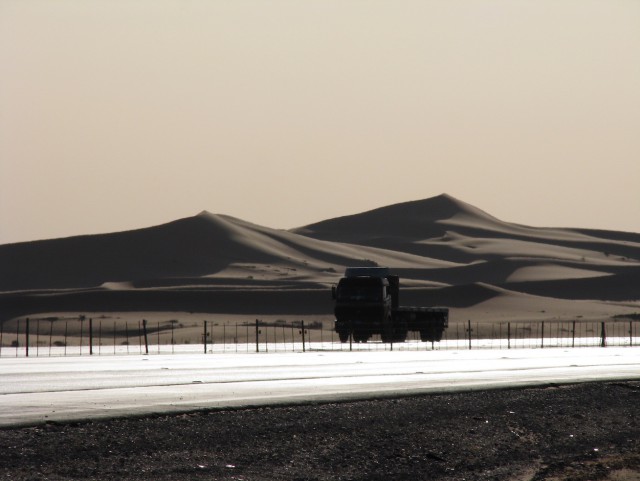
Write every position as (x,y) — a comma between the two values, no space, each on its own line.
(367,303)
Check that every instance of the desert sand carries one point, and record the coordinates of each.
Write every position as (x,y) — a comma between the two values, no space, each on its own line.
(216,267)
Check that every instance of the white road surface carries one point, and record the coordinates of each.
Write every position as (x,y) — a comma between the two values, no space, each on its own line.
(38,390)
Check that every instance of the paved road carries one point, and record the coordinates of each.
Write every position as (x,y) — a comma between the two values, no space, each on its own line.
(37,390)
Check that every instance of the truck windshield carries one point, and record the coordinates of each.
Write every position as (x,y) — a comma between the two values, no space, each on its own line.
(360,293)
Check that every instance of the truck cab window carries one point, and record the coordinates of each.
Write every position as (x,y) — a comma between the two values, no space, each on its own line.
(360,293)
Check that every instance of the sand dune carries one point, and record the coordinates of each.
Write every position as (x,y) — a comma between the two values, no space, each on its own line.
(204,245)
(446,251)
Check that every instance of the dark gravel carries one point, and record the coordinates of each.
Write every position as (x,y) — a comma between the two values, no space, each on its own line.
(577,432)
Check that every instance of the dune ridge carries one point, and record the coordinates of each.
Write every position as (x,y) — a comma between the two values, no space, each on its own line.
(445,250)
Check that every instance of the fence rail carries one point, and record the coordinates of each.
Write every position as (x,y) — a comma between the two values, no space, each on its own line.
(81,336)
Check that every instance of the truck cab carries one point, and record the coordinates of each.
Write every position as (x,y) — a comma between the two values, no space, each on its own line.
(364,303)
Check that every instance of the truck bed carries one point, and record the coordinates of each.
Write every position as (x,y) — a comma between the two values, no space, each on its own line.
(429,321)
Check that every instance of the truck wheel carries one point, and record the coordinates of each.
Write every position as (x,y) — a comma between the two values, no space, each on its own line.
(360,336)
(387,331)
(427,335)
(400,334)
(387,336)
(433,333)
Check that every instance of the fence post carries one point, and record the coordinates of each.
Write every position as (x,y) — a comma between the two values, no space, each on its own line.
(144,332)
(630,333)
(37,337)
(508,335)
(81,332)
(173,342)
(573,334)
(469,330)
(50,336)
(91,336)
(257,334)
(26,343)
(304,349)
(204,337)
(542,337)
(266,338)
(603,333)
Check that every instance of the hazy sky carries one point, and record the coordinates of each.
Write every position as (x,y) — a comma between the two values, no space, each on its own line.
(122,114)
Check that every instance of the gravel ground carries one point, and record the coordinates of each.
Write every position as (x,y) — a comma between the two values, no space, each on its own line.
(577,432)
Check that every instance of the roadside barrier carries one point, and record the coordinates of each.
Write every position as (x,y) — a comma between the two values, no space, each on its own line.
(80,336)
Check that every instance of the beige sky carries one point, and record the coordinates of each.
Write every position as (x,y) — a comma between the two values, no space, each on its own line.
(124,114)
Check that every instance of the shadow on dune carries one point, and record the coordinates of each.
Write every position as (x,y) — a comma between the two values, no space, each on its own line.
(238,301)
(467,295)
(408,220)
(490,272)
(622,286)
(188,247)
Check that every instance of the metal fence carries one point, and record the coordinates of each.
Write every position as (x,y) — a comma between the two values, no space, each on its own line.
(82,336)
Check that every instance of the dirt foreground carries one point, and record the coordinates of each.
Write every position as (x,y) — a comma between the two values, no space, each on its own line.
(577,432)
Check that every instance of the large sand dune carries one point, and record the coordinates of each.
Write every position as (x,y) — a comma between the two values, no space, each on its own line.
(447,252)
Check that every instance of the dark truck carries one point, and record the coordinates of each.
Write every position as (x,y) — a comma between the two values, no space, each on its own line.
(367,304)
